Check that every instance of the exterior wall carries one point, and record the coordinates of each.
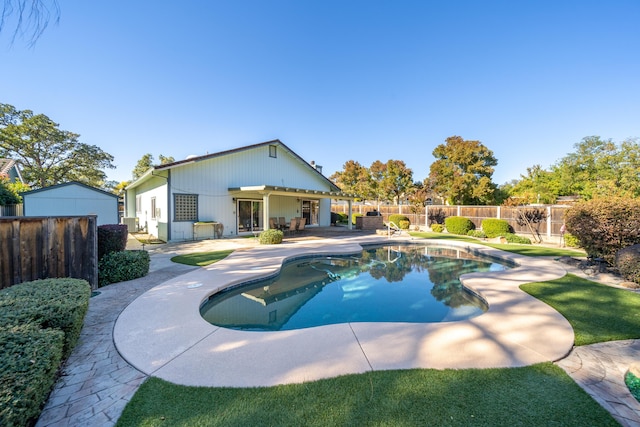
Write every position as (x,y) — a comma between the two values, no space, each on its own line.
(211,179)
(155,224)
(69,200)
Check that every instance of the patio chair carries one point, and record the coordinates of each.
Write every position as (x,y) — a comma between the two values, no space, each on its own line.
(282,223)
(273,223)
(292,226)
(300,224)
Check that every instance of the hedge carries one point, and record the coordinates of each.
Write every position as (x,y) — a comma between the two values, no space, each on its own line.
(29,361)
(48,304)
(117,267)
(493,227)
(40,323)
(112,238)
(458,225)
(402,221)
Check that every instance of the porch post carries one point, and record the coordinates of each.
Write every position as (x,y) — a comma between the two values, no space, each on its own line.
(265,211)
(350,210)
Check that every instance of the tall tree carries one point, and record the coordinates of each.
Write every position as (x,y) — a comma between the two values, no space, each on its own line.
(462,172)
(600,168)
(397,181)
(538,186)
(48,154)
(354,179)
(146,162)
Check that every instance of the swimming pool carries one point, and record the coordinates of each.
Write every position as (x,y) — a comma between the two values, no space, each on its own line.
(385,283)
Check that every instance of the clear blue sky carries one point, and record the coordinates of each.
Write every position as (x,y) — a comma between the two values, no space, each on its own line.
(334,80)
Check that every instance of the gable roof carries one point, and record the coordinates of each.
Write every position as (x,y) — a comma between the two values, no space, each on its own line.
(195,159)
(64,184)
(7,165)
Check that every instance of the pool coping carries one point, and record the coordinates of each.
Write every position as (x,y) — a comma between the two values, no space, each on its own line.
(162,334)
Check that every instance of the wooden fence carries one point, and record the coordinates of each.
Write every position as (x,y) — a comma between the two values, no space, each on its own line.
(549,229)
(34,248)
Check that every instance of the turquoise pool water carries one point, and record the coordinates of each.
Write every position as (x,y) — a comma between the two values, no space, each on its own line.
(387,283)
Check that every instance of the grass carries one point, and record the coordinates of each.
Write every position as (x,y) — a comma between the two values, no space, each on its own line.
(536,395)
(201,259)
(597,312)
(541,394)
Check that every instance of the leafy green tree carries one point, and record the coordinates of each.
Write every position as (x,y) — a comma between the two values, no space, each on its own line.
(146,162)
(538,186)
(462,172)
(353,179)
(10,192)
(397,181)
(599,168)
(48,154)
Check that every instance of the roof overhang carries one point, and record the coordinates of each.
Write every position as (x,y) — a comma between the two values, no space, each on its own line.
(275,190)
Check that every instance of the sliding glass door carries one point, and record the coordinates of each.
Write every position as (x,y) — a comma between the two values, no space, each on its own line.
(250,216)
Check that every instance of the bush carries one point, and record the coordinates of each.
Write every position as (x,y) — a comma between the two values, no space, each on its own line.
(495,227)
(436,215)
(29,361)
(121,266)
(111,238)
(458,225)
(628,263)
(353,218)
(404,224)
(271,237)
(343,218)
(514,238)
(571,241)
(478,234)
(604,226)
(47,304)
(437,228)
(398,218)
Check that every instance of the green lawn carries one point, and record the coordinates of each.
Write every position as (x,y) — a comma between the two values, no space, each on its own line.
(201,258)
(530,396)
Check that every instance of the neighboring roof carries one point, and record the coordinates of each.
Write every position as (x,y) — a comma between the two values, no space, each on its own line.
(65,184)
(195,159)
(6,165)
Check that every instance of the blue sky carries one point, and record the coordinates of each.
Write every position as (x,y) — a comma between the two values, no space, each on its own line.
(334,80)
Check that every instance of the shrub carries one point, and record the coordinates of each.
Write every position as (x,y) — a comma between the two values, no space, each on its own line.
(343,218)
(628,263)
(496,227)
(478,234)
(571,241)
(29,360)
(48,304)
(604,226)
(436,216)
(404,224)
(122,266)
(458,225)
(354,216)
(111,238)
(398,218)
(271,237)
(437,228)
(514,238)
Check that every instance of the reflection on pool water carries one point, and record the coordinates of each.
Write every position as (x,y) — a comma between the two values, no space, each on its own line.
(387,283)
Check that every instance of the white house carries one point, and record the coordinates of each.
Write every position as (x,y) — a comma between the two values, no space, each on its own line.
(240,189)
(70,199)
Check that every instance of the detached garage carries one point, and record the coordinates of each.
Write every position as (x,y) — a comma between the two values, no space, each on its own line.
(72,199)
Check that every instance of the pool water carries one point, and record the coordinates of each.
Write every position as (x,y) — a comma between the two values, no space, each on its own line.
(389,283)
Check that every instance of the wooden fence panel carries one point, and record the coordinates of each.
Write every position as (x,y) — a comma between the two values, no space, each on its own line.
(48,247)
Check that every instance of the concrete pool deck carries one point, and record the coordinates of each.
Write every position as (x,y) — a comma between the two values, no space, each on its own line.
(162,334)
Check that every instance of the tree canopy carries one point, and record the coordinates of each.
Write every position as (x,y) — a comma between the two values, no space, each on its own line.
(146,162)
(49,155)
(462,172)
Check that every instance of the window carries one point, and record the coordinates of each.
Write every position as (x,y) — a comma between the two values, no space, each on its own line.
(272,151)
(185,207)
(153,208)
